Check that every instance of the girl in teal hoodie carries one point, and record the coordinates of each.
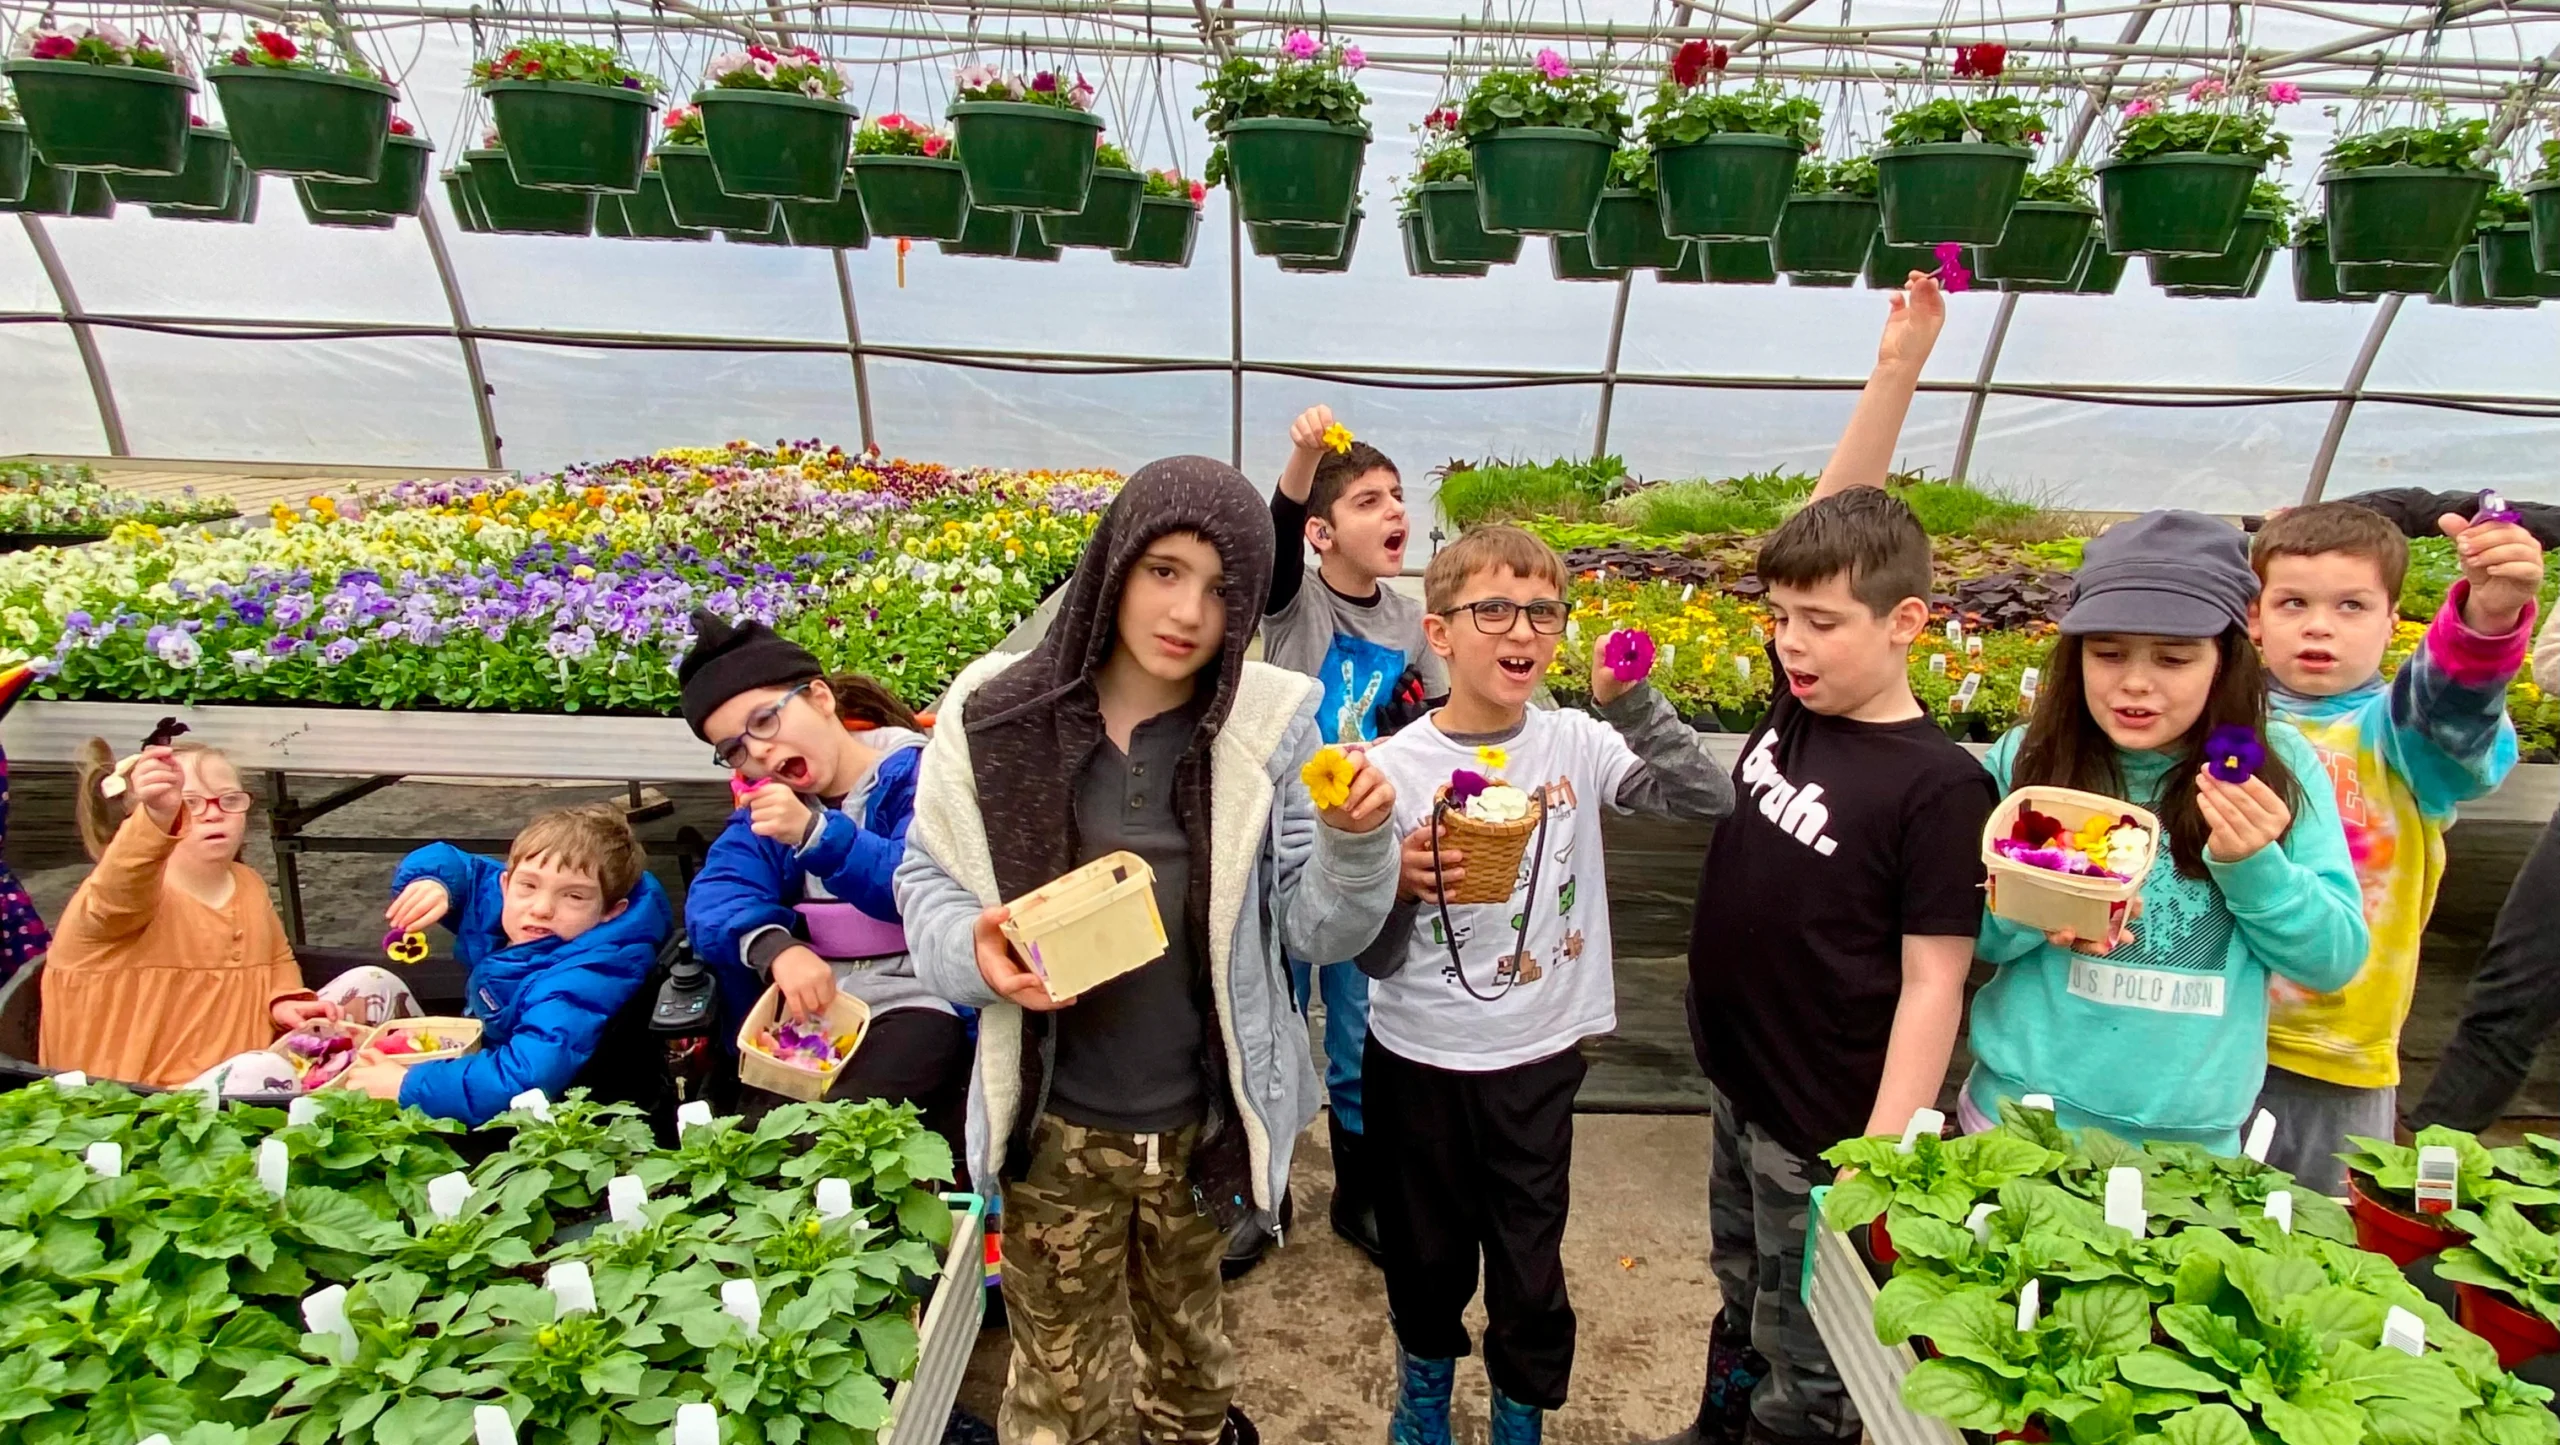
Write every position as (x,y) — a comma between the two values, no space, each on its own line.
(2160,1032)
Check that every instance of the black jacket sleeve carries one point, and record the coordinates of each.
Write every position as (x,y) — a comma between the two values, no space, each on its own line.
(1289,556)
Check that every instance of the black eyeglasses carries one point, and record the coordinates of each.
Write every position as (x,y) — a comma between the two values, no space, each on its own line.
(762,724)
(1547,615)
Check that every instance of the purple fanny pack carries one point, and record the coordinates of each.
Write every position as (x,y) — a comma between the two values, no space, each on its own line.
(842,931)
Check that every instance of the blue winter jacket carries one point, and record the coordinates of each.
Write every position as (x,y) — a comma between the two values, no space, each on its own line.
(542,1006)
(749,882)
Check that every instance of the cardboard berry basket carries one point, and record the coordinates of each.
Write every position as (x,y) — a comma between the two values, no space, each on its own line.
(466,1030)
(760,1070)
(1089,927)
(2048,901)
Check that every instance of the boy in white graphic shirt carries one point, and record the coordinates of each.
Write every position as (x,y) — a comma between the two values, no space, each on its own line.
(1473,1057)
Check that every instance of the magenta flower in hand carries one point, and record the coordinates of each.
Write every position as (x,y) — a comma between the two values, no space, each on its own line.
(1628,654)
(2234,754)
(1465,784)
(1952,276)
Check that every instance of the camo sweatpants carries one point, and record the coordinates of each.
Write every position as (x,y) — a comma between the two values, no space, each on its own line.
(1758,1197)
(1099,1219)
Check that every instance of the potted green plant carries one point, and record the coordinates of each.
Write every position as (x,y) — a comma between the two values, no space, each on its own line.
(1168,222)
(1030,245)
(1890,266)
(2542,200)
(1725,159)
(2179,179)
(2048,229)
(1109,219)
(1542,139)
(516,209)
(911,184)
(575,117)
(301,107)
(692,182)
(92,199)
(1951,169)
(2057,288)
(2262,226)
(1417,251)
(1027,146)
(2101,271)
(353,220)
(1830,220)
(2507,1279)
(1626,226)
(987,233)
(1340,260)
(399,190)
(92,100)
(2505,231)
(15,153)
(777,123)
(1290,137)
(1444,191)
(2407,194)
(204,182)
(2315,276)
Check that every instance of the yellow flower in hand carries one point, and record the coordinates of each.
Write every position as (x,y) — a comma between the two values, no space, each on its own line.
(1339,438)
(1493,760)
(1328,777)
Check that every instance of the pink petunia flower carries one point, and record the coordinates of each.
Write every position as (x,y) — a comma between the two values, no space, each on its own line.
(1300,45)
(1952,276)
(1554,66)
(976,77)
(934,146)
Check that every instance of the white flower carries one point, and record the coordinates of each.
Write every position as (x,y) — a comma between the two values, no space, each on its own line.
(976,77)
(814,88)
(735,60)
(249,660)
(1500,803)
(764,68)
(179,650)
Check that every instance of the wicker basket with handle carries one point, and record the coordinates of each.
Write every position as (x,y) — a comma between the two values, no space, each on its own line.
(1493,850)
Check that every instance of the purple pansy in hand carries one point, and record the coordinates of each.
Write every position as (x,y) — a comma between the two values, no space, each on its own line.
(2494,508)
(1628,654)
(2233,754)
(1465,784)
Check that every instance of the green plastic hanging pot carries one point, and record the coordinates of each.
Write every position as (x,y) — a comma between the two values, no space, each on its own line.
(696,200)
(647,216)
(834,225)
(2471,291)
(1340,260)
(239,205)
(925,199)
(16,155)
(2101,271)
(2315,277)
(1692,270)
(1453,229)
(1540,180)
(612,222)
(515,209)
(1821,279)
(1569,259)
(1109,219)
(205,183)
(2507,271)
(84,117)
(988,233)
(91,198)
(563,136)
(777,145)
(1889,265)
(2542,198)
(306,123)
(1030,245)
(770,234)
(399,190)
(2387,278)
(1417,252)
(2415,215)
(1726,187)
(1168,227)
(2249,242)
(1825,235)
(1739,263)
(2185,203)
(341,220)
(2061,287)
(2248,285)
(1959,191)
(2043,243)
(47,192)
(1295,172)
(467,215)
(1626,230)
(1025,157)
(1296,243)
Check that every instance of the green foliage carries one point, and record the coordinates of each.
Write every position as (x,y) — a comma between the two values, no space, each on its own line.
(2508,1253)
(2503,206)
(2007,120)
(2457,145)
(1741,504)
(562,60)
(2201,132)
(1495,491)
(1506,98)
(2550,152)
(2311,229)
(1850,176)
(1109,157)
(1679,115)
(56,499)
(2065,183)
(2434,568)
(2272,197)
(1942,1178)
(880,136)
(710,1163)
(1440,156)
(1243,88)
(576,1151)
(1631,169)
(2519,1174)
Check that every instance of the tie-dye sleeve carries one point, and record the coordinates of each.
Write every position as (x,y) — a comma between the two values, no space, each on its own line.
(2446,730)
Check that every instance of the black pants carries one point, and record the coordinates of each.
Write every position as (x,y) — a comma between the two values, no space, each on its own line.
(914,1056)
(2513,1005)
(1468,1165)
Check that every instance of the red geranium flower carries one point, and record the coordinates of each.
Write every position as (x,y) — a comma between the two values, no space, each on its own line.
(53,47)
(240,55)
(1696,59)
(277,47)
(1984,61)
(402,127)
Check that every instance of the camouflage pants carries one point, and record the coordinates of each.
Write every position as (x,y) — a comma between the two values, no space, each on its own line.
(1100,1218)
(1758,1195)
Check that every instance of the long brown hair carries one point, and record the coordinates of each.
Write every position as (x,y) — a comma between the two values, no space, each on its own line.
(863,703)
(99,816)
(2066,748)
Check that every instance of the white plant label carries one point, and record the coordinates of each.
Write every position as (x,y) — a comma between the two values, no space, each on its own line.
(2404,1332)
(2262,1135)
(447,1193)
(1923,1121)
(1973,646)
(2439,1186)
(1573,629)
(324,1312)
(624,1197)
(275,1170)
(532,1101)
(490,1426)
(107,1158)
(697,1425)
(1668,652)
(739,1298)
(2124,1200)
(2280,1209)
(2027,683)
(1955,631)
(573,1289)
(2029,1297)
(1742,664)
(70,1079)
(303,1110)
(1980,1222)
(2038,1101)
(693,1115)
(1965,692)
(155,1438)
(835,1198)
(1937,664)
(1688,592)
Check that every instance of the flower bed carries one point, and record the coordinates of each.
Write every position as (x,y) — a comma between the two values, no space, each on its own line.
(568,593)
(40,500)
(188,1293)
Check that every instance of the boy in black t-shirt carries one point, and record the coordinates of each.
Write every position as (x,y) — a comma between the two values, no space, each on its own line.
(1837,910)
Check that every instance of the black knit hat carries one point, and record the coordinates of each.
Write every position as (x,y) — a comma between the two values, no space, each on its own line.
(727,660)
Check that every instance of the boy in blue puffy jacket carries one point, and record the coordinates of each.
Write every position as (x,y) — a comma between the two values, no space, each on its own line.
(558,938)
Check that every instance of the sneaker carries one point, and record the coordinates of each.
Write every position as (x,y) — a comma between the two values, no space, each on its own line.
(1248,1242)
(1421,1414)
(1734,1369)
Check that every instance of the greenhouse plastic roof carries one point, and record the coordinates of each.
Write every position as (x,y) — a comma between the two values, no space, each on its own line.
(286,342)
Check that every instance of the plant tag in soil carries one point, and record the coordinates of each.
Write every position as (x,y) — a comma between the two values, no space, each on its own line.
(1955,632)
(2028,680)
(70,1079)
(490,1426)
(1965,692)
(2404,1332)
(1573,629)
(2124,1199)
(2038,1101)
(1923,1121)
(697,1425)
(532,1101)
(324,1312)
(624,1196)
(1742,664)
(1973,646)
(148,1439)
(2280,1209)
(1937,664)
(2262,1134)
(2439,1186)
(835,1198)
(447,1193)
(693,1115)
(738,1297)
(1980,1222)
(573,1290)
(1668,653)
(1688,592)
(107,1158)
(2029,1296)
(303,1110)
(275,1170)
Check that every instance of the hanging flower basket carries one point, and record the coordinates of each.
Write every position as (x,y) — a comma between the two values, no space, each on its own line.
(240,201)
(611,222)
(1540,180)
(1023,156)
(646,216)
(1028,244)
(2180,203)
(1297,243)
(776,145)
(769,235)
(563,136)
(2101,271)
(2543,197)
(2388,278)
(313,123)
(1739,263)
(1168,227)
(2507,271)
(925,198)
(1726,187)
(2051,288)
(1626,230)
(1961,191)
(1569,259)
(340,220)
(16,155)
(1417,252)
(2314,278)
(91,198)
(205,183)
(46,193)
(695,198)
(515,209)
(399,190)
(1340,260)
(458,198)
(1825,235)
(1453,227)
(988,233)
(2415,215)
(1889,265)
(1295,172)
(2232,269)
(2466,289)
(836,225)
(1692,270)
(2043,243)
(1109,220)
(118,117)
